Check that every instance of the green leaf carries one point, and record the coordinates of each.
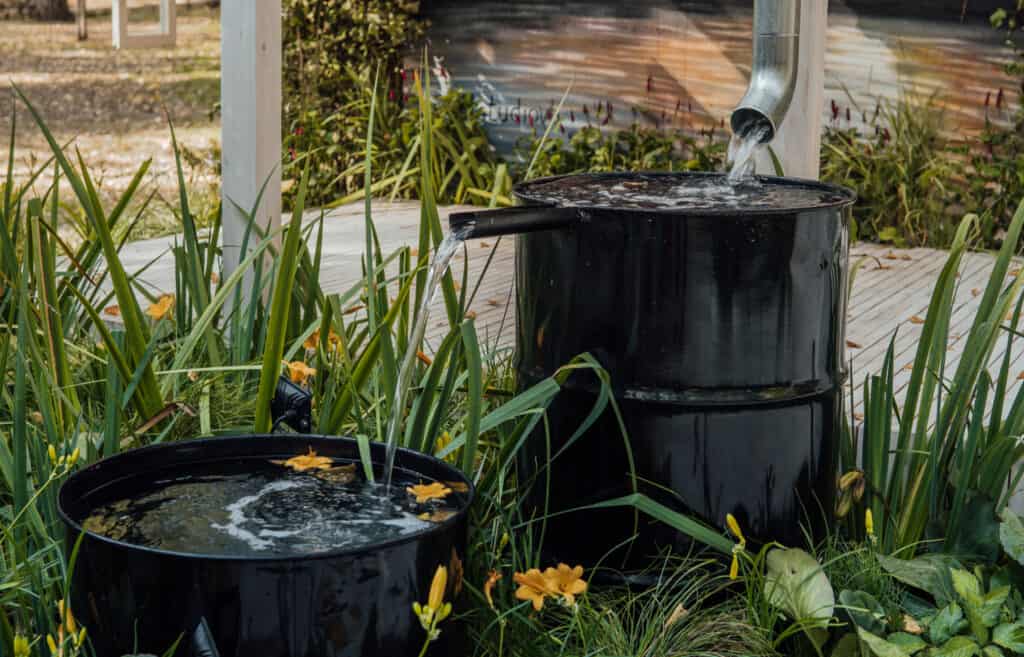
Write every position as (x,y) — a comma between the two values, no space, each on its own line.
(947,623)
(992,651)
(929,572)
(978,532)
(863,609)
(958,646)
(878,646)
(796,584)
(1009,636)
(1011,535)
(909,643)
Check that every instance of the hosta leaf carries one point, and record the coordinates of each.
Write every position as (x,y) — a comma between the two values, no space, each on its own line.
(929,572)
(796,584)
(1009,636)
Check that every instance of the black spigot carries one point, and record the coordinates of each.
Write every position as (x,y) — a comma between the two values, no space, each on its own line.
(292,405)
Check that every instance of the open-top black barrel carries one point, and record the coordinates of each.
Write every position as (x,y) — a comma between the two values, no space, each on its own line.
(351,602)
(721,325)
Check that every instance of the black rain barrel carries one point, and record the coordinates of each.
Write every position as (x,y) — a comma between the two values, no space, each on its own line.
(353,602)
(722,329)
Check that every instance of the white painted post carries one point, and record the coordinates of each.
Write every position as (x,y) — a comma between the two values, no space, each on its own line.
(798,142)
(250,92)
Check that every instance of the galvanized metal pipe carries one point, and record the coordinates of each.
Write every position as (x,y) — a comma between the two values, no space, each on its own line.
(774,70)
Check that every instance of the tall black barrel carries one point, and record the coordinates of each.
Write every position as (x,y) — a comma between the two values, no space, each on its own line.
(722,329)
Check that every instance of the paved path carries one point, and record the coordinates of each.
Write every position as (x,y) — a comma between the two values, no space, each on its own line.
(890,291)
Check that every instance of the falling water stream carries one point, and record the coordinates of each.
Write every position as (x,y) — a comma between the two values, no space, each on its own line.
(438,266)
(743,148)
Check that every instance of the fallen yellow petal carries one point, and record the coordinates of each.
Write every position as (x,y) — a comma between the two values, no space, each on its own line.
(427,492)
(308,461)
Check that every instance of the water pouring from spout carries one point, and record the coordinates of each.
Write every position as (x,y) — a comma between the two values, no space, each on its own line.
(438,266)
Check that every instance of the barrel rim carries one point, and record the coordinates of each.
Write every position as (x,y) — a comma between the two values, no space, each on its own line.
(273,446)
(845,196)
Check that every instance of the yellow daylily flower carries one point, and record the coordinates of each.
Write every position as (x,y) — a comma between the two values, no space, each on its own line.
(533,586)
(162,307)
(567,581)
(298,371)
(427,492)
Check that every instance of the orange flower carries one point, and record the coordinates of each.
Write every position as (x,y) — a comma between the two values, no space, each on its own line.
(162,307)
(492,579)
(299,372)
(568,582)
(313,341)
(309,461)
(427,492)
(113,311)
(534,586)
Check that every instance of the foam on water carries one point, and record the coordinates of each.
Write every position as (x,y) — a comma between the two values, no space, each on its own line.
(262,510)
(677,192)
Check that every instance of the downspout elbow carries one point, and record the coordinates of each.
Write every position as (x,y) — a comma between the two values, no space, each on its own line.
(774,70)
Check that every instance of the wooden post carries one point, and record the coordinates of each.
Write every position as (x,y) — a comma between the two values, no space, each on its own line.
(798,142)
(250,92)
(83,30)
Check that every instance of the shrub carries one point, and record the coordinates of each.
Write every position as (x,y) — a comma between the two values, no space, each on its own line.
(634,149)
(902,171)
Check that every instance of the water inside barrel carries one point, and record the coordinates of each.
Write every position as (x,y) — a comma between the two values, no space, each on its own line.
(259,508)
(679,193)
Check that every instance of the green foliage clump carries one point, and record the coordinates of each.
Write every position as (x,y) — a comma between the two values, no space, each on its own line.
(901,170)
(590,149)
(324,39)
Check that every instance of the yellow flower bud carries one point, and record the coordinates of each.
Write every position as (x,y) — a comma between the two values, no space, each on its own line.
(21,647)
(734,567)
(51,644)
(734,527)
(52,452)
(869,523)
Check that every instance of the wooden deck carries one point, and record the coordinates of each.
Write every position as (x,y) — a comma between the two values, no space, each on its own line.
(890,291)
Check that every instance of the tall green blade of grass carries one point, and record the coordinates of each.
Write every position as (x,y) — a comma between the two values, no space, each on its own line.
(19,437)
(198,282)
(136,330)
(278,327)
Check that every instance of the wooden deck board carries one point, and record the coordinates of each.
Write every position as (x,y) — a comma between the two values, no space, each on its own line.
(890,289)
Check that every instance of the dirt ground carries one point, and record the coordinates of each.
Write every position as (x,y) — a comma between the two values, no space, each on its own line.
(114,105)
